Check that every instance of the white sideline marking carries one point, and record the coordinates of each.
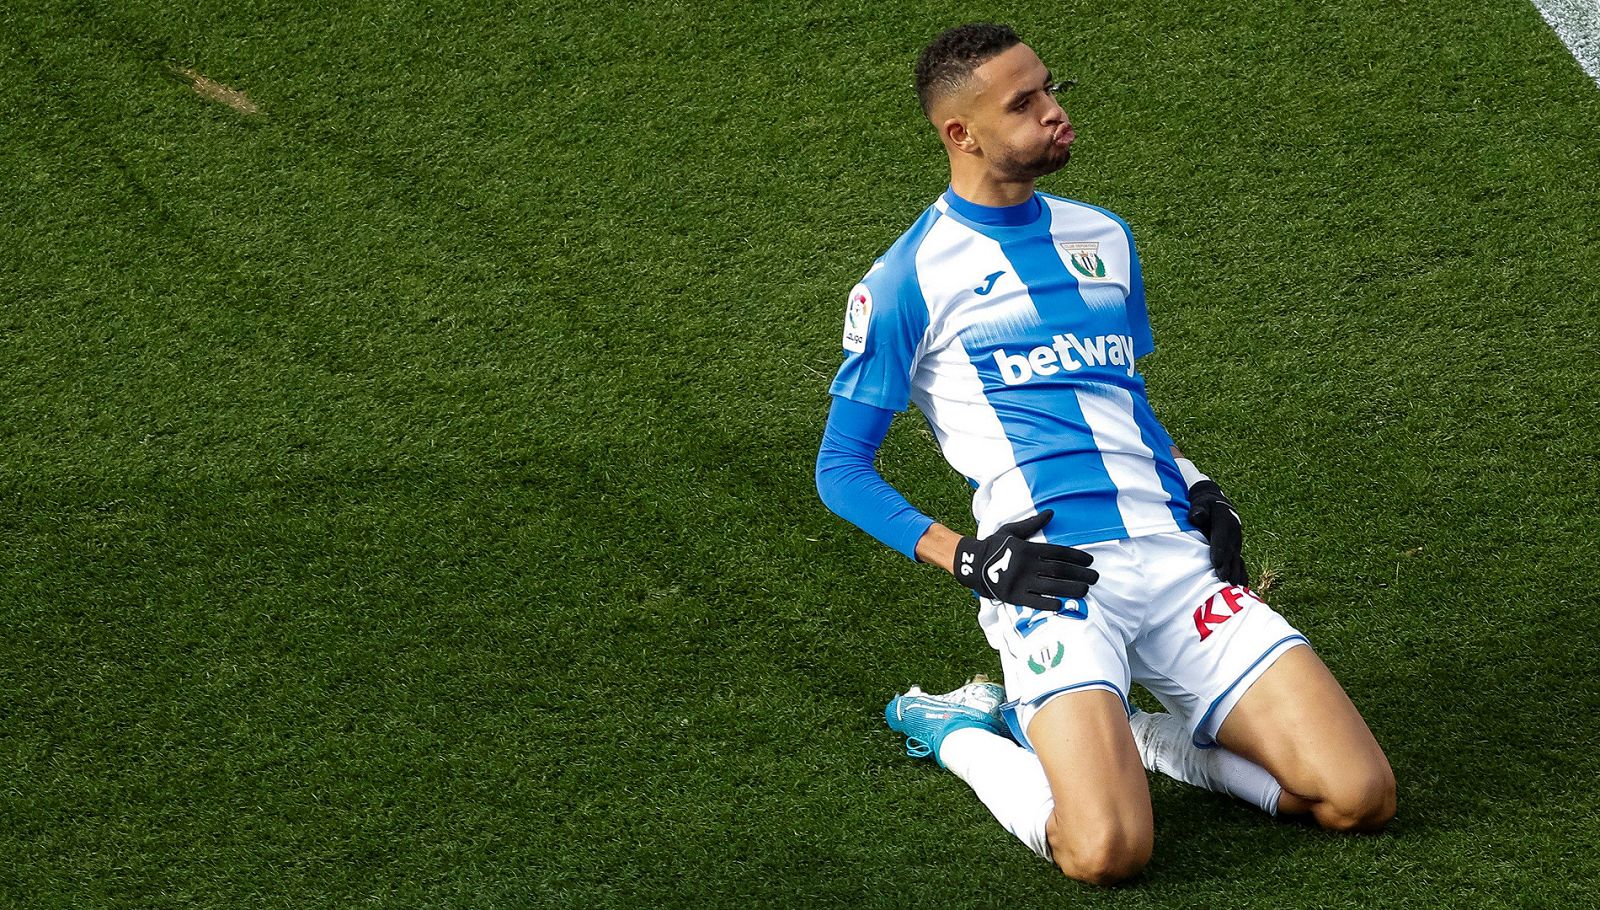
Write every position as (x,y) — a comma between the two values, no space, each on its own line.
(1577,24)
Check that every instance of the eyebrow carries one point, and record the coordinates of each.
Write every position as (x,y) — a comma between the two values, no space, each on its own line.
(1049,77)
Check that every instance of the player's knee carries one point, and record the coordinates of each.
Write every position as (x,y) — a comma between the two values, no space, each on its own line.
(1363,801)
(1104,857)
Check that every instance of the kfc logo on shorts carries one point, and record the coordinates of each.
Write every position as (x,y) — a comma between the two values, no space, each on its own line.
(1223,606)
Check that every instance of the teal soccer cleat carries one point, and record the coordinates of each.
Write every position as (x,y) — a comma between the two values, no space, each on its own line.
(927,719)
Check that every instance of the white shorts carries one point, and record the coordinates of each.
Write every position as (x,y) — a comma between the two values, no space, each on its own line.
(1158,616)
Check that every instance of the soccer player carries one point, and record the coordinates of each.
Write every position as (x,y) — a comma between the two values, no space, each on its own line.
(1014,320)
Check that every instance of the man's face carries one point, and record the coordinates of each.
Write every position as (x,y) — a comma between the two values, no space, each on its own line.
(1016,121)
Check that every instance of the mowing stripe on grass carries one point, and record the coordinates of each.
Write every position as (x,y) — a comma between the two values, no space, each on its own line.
(1577,24)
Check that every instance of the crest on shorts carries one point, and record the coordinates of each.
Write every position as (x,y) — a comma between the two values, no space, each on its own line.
(857,319)
(1037,663)
(1084,257)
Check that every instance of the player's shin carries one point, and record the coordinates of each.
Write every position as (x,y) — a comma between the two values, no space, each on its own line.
(1166,746)
(1007,778)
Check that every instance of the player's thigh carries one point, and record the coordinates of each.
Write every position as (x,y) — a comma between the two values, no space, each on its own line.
(1207,642)
(1102,829)
(1297,722)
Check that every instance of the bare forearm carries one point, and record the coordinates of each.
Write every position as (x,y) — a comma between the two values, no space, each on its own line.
(938,547)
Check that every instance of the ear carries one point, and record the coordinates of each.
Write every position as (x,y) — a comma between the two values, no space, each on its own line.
(957,136)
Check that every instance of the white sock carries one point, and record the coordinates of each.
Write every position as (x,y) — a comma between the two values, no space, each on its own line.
(1007,778)
(1165,746)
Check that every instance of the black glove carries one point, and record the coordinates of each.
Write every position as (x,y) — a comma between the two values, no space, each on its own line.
(1214,515)
(1009,567)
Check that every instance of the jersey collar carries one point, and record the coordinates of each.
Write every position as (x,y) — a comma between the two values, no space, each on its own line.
(1025,212)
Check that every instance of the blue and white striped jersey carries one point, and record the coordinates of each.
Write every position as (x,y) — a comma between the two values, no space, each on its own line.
(1015,331)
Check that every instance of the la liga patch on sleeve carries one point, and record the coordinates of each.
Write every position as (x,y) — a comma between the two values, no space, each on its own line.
(857,319)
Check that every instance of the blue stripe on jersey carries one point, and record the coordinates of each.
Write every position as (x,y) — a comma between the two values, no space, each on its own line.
(1055,441)
(1155,436)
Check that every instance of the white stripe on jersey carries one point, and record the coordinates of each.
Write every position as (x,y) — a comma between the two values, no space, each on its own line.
(951,256)
(981,450)
(1140,496)
(951,263)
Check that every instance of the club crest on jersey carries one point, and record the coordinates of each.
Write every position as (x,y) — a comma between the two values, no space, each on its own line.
(1085,258)
(857,319)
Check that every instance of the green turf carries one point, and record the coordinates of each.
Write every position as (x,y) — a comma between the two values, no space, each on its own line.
(407,489)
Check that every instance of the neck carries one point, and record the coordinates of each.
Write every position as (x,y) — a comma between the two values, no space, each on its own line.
(984,188)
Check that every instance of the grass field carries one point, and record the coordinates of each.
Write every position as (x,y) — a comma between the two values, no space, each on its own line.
(407,490)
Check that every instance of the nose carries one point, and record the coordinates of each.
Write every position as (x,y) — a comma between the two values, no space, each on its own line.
(1055,113)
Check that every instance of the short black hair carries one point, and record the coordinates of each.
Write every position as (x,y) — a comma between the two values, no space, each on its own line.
(947,62)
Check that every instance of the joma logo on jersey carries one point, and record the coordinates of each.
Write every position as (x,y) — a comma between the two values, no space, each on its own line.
(1068,354)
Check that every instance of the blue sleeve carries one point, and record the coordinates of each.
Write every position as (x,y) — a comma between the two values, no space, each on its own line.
(885,320)
(850,485)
